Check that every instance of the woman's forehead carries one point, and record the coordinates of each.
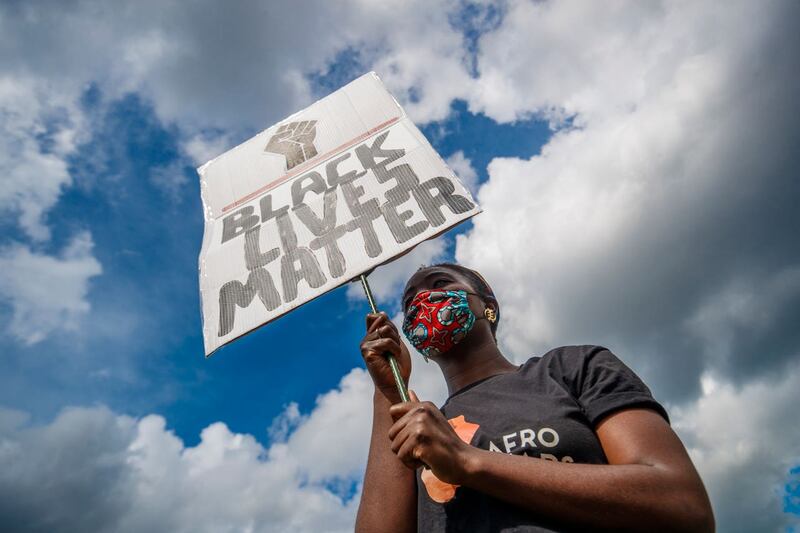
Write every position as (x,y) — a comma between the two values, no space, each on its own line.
(421,276)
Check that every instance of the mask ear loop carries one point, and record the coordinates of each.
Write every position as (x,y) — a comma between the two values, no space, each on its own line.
(488,313)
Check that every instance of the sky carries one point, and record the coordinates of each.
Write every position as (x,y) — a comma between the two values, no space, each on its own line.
(637,167)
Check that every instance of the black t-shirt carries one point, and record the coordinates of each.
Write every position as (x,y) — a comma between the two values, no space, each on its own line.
(548,408)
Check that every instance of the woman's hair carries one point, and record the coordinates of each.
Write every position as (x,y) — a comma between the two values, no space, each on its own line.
(478,283)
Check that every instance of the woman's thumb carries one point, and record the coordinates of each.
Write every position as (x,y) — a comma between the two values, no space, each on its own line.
(412,395)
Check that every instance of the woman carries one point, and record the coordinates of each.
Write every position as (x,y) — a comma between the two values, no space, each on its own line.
(571,440)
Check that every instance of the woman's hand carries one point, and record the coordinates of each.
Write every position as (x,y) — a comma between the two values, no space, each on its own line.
(421,436)
(382,336)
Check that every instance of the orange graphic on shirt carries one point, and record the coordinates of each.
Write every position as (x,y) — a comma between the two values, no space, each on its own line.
(438,490)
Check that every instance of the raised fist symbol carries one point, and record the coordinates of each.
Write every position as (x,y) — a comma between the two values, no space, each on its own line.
(295,141)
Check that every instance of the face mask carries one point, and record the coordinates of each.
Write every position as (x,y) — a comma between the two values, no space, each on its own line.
(438,320)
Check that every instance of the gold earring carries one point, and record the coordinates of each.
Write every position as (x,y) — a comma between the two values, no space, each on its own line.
(490,314)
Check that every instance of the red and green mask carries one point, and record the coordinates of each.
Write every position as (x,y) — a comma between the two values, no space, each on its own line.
(438,320)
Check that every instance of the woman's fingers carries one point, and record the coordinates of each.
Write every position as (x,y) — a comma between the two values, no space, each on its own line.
(382,337)
(375,320)
(371,318)
(399,438)
(407,442)
(381,322)
(398,412)
(380,328)
(410,452)
(389,332)
(412,429)
(379,346)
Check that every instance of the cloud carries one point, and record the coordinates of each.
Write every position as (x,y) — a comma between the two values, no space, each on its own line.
(127,474)
(136,475)
(743,446)
(639,220)
(658,220)
(37,132)
(462,166)
(244,66)
(47,293)
(747,316)
(202,148)
(562,59)
(335,434)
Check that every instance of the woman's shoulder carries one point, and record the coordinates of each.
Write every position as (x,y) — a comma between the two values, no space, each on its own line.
(570,364)
(567,355)
(596,377)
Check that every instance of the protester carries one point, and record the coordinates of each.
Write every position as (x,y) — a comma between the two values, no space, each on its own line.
(570,440)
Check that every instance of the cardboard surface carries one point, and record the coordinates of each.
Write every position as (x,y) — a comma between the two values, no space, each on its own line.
(313,202)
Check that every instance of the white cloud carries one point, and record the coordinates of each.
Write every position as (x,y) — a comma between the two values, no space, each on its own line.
(202,148)
(47,293)
(565,58)
(335,434)
(285,423)
(462,166)
(37,131)
(136,475)
(419,30)
(239,67)
(743,442)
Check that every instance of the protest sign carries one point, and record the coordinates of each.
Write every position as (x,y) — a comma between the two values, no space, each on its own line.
(311,203)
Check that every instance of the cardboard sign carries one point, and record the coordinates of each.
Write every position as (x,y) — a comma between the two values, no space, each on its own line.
(311,203)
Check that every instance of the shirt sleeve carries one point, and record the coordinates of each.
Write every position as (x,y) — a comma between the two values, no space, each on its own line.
(600,382)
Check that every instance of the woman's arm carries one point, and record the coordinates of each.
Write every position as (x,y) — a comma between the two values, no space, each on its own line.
(650,482)
(389,495)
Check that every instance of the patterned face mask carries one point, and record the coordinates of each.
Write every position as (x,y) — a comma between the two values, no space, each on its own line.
(438,320)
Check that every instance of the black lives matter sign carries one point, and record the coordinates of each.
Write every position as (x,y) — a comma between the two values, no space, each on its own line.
(340,199)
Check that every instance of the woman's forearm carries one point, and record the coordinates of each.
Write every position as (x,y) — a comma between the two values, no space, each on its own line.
(388,498)
(619,497)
